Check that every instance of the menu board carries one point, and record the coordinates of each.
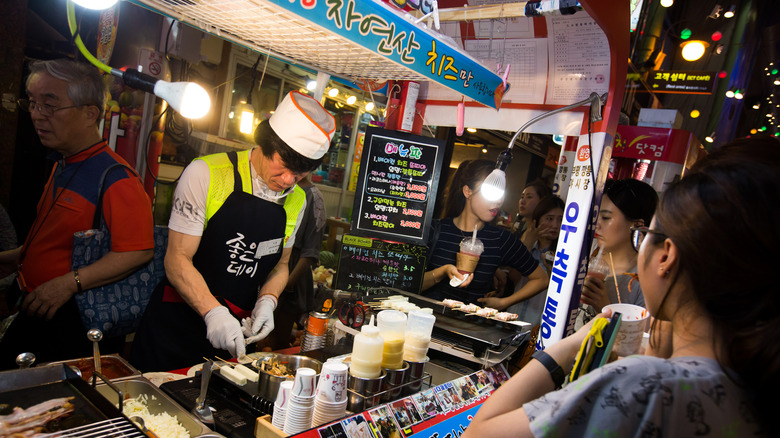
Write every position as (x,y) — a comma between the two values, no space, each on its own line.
(396,192)
(365,263)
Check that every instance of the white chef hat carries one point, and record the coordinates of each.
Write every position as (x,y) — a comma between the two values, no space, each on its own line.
(302,123)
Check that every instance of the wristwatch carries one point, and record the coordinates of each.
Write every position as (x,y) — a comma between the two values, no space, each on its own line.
(555,370)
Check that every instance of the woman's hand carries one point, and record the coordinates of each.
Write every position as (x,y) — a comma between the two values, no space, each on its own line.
(530,235)
(499,280)
(594,293)
(493,302)
(548,231)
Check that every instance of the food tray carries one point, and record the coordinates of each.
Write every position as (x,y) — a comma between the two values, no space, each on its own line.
(112,366)
(157,402)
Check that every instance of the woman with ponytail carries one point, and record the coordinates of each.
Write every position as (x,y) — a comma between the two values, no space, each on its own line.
(704,263)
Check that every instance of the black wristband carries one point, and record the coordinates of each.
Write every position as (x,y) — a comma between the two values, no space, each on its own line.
(555,370)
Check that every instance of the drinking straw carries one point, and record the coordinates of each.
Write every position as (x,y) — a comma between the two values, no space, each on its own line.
(474,236)
(614,275)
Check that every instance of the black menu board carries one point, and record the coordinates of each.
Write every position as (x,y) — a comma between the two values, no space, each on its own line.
(366,263)
(397,183)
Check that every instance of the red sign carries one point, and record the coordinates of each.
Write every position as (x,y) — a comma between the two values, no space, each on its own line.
(647,143)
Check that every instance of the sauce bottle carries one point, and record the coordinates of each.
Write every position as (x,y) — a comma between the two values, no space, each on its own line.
(392,325)
(366,359)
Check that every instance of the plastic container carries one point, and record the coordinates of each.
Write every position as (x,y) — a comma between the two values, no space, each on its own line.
(366,359)
(598,267)
(392,326)
(419,327)
(468,257)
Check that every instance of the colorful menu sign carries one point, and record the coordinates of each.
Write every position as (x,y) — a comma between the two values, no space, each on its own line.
(684,82)
(399,177)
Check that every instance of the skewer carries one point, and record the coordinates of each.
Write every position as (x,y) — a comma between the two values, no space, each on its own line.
(614,276)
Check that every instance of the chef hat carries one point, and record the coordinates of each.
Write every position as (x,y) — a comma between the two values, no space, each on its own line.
(302,123)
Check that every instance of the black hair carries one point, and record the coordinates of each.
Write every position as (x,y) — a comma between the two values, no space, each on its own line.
(545,205)
(542,189)
(723,218)
(470,173)
(635,199)
(270,142)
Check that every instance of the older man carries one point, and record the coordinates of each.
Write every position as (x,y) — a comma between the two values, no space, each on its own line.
(66,100)
(232,229)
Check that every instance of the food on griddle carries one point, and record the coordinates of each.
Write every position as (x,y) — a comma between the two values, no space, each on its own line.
(453,304)
(247,372)
(505,316)
(275,368)
(470,308)
(25,422)
(487,312)
(162,424)
(232,375)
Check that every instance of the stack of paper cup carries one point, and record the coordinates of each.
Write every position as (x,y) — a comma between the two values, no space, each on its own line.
(300,407)
(330,402)
(280,407)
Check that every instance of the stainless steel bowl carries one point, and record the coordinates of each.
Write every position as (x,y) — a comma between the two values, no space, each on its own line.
(268,384)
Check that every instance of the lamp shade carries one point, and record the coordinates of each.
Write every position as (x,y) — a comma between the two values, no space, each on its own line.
(494,186)
(188,98)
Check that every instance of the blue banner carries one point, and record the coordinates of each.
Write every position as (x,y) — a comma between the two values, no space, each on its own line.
(375,26)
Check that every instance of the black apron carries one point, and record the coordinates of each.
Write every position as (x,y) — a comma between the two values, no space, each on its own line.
(239,248)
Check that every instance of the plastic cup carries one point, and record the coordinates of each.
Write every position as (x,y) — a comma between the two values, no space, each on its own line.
(598,268)
(468,257)
(419,327)
(632,328)
(304,383)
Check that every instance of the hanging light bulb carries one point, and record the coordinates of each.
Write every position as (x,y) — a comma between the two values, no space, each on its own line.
(667,3)
(97,5)
(729,94)
(311,85)
(730,12)
(738,95)
(369,106)
(246,118)
(694,49)
(333,92)
(351,100)
(710,138)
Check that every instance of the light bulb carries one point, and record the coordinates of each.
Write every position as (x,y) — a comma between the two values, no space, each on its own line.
(247,119)
(351,100)
(695,113)
(188,98)
(370,106)
(311,85)
(333,92)
(97,5)
(738,95)
(729,94)
(471,130)
(693,50)
(667,3)
(494,186)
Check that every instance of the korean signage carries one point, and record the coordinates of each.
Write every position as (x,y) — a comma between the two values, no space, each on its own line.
(650,143)
(377,27)
(397,184)
(685,82)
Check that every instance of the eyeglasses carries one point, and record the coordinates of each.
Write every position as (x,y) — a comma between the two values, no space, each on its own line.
(43,109)
(638,235)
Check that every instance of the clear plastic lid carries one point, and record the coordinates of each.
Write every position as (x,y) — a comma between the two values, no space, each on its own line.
(472,246)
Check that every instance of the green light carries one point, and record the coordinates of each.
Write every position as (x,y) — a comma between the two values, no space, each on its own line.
(777,134)
(774,71)
(763,128)
(685,34)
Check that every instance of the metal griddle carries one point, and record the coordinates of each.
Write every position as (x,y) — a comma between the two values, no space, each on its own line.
(455,326)
(28,387)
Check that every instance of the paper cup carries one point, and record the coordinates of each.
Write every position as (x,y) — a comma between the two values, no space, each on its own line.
(332,385)
(466,263)
(304,383)
(632,328)
(284,394)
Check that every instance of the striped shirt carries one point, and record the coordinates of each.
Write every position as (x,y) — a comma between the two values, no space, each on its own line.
(502,248)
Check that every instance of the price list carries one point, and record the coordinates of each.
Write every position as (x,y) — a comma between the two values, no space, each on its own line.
(366,263)
(399,176)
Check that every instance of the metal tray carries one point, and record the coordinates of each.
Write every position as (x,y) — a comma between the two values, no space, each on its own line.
(113,366)
(157,402)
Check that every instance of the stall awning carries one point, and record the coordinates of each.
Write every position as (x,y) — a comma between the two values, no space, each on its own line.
(347,38)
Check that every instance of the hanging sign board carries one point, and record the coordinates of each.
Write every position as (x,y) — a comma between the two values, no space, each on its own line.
(379,28)
(682,82)
(365,263)
(397,184)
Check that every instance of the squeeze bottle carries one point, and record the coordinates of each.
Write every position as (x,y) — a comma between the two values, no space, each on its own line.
(367,352)
(392,325)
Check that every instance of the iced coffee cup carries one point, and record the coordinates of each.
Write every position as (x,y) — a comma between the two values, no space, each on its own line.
(468,257)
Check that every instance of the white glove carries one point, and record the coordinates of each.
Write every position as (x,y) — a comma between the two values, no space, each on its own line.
(224,331)
(261,324)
